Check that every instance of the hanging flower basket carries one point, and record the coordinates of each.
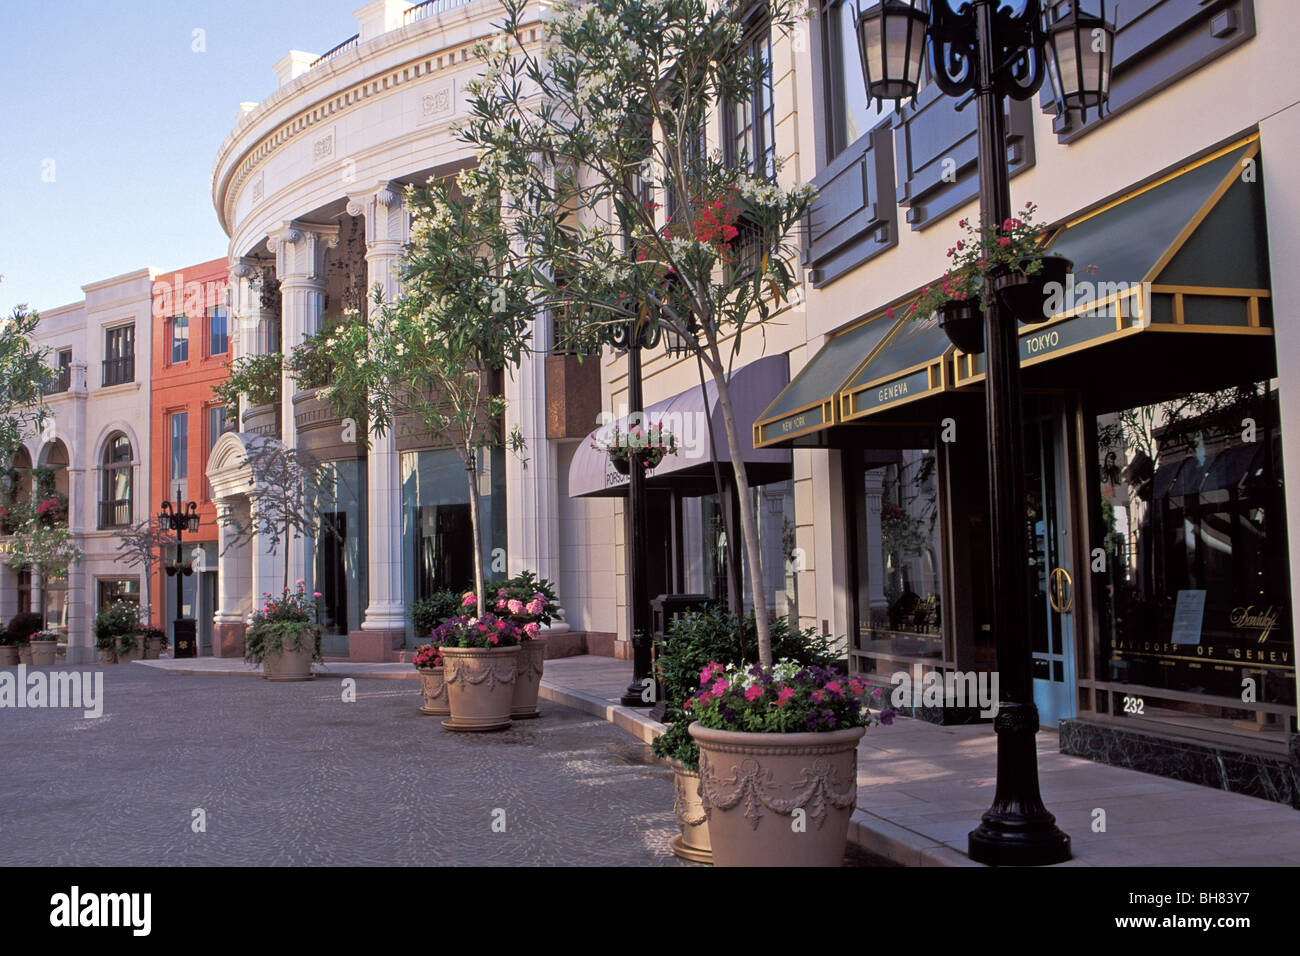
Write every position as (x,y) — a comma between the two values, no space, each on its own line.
(647,446)
(1023,290)
(963,322)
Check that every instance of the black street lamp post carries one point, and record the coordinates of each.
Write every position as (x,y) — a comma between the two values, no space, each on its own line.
(184,631)
(632,336)
(992,49)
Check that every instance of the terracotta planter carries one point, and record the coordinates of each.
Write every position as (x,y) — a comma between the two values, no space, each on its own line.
(293,661)
(693,844)
(963,322)
(1025,296)
(433,688)
(153,648)
(8,655)
(43,653)
(528,679)
(25,654)
(480,686)
(751,784)
(125,655)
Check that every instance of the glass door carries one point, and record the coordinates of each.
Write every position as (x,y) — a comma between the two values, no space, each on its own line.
(1051,578)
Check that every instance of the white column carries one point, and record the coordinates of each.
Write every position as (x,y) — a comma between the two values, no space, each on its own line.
(300,267)
(387,231)
(234,579)
(267,566)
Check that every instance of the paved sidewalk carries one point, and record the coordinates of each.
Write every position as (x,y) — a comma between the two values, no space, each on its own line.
(923,787)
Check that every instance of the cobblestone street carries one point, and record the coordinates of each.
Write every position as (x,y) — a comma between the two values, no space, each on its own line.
(289,774)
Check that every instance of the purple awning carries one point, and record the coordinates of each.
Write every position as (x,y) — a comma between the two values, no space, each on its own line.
(753,388)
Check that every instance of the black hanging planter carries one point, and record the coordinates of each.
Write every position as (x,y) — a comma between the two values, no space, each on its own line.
(962,321)
(622,464)
(1026,295)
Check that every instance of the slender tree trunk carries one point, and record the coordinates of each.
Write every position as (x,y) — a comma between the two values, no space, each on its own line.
(735,580)
(748,522)
(288,530)
(471,476)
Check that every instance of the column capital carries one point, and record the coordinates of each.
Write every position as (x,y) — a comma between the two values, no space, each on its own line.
(300,249)
(388,221)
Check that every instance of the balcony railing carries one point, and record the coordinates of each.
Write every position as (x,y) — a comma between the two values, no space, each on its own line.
(343,47)
(116,371)
(115,514)
(431,8)
(60,383)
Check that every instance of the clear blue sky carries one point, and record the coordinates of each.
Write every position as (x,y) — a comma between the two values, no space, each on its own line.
(114,93)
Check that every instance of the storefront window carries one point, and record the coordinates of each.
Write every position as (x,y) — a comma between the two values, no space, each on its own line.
(118,589)
(1196,620)
(336,555)
(704,552)
(898,562)
(436,529)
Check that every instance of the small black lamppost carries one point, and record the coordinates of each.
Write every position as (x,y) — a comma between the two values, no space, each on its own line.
(631,337)
(992,49)
(184,631)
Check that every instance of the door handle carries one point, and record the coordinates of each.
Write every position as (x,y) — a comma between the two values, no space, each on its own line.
(1060,591)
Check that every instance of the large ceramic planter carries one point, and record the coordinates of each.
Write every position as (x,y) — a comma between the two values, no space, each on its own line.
(963,322)
(134,653)
(25,654)
(693,844)
(263,420)
(528,679)
(292,662)
(752,784)
(43,653)
(107,655)
(480,686)
(1025,296)
(433,688)
(153,648)
(8,655)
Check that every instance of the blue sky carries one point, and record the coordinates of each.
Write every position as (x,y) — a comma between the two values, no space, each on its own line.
(131,115)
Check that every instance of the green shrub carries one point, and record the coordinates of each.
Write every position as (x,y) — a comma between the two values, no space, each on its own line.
(428,613)
(696,639)
(24,625)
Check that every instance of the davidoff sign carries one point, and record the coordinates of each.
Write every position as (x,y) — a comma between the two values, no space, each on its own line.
(1252,618)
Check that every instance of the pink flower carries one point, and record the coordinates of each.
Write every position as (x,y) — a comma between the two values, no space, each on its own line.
(315,594)
(783,696)
(501,603)
(535,606)
(753,693)
(468,598)
(516,607)
(835,688)
(493,639)
(719,687)
(531,628)
(817,696)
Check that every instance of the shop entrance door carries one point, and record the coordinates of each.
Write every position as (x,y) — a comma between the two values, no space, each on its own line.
(1051,579)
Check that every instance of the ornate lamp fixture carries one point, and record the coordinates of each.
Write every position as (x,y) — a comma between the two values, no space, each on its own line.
(990,50)
(180,520)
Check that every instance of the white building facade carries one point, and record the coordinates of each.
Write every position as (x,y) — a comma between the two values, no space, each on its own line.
(94,449)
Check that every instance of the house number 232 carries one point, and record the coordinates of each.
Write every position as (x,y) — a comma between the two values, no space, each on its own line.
(1133,705)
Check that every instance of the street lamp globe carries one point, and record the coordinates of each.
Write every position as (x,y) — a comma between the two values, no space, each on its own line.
(891,42)
(1080,46)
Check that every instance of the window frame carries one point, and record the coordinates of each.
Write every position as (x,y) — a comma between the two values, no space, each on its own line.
(172,479)
(211,313)
(119,355)
(108,469)
(172,326)
(758,31)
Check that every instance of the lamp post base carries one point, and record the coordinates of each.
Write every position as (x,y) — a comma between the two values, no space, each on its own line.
(1004,840)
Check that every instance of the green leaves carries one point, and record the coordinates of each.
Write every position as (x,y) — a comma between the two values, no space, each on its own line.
(24,373)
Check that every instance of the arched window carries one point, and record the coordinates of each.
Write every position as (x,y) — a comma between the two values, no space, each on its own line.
(115,502)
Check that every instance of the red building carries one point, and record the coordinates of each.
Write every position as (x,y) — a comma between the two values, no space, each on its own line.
(191,336)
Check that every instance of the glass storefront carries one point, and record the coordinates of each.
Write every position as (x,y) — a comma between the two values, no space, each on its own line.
(437,535)
(704,551)
(335,559)
(1195,619)
(898,561)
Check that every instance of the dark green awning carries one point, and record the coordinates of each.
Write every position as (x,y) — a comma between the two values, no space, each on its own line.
(907,367)
(807,404)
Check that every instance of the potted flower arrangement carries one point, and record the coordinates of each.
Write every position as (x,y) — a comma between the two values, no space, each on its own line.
(153,639)
(283,635)
(433,686)
(693,641)
(648,446)
(528,602)
(774,741)
(117,633)
(52,510)
(8,649)
(1006,260)
(21,628)
(44,645)
(479,659)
